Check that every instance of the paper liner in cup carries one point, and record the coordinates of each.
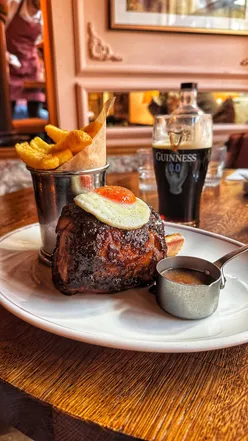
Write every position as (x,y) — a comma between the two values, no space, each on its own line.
(94,155)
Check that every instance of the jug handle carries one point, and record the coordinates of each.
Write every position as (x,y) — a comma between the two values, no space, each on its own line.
(223,260)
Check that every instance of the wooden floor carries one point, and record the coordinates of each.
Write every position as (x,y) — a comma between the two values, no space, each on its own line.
(11,434)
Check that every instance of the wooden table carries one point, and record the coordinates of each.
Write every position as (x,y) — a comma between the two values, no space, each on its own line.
(56,389)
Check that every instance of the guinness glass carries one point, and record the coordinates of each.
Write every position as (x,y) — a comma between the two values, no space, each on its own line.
(181,149)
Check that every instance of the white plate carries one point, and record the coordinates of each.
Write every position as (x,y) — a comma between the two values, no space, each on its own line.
(238,175)
(127,320)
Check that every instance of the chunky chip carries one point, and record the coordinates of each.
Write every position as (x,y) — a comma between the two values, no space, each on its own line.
(49,162)
(38,154)
(76,140)
(36,158)
(64,156)
(55,133)
(30,156)
(93,128)
(41,155)
(38,144)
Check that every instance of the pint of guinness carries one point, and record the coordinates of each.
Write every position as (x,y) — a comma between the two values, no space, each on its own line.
(181,150)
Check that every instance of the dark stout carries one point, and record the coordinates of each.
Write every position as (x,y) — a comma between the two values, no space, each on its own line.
(180,177)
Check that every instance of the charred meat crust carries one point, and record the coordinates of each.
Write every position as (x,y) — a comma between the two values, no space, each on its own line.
(93,257)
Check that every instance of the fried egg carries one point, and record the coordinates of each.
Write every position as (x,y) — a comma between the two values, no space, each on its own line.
(115,206)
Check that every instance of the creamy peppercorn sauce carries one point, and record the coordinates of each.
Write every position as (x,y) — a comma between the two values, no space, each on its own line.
(187,276)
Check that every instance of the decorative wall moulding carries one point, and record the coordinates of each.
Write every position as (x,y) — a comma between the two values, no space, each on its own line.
(129,139)
(100,53)
(127,83)
(98,49)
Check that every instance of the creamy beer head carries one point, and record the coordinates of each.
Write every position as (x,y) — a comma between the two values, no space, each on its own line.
(183,132)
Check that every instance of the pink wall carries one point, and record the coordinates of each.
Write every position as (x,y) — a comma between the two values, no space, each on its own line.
(150,60)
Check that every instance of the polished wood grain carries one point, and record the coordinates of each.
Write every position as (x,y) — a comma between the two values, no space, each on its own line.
(8,153)
(224,210)
(29,125)
(34,84)
(53,388)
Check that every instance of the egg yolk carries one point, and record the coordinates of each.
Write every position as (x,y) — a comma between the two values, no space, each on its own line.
(116,194)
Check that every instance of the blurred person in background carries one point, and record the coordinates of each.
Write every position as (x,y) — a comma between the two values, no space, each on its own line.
(225,113)
(207,103)
(23,29)
(159,104)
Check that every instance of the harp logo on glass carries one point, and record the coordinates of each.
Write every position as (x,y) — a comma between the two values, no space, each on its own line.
(176,173)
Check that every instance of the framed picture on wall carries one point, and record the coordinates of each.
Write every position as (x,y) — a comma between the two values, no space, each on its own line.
(199,16)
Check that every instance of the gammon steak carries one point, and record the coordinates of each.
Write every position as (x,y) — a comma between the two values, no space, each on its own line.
(93,257)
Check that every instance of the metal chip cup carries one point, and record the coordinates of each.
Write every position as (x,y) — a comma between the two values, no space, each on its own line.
(53,190)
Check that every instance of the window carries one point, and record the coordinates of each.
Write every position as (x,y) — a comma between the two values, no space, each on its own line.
(138,108)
